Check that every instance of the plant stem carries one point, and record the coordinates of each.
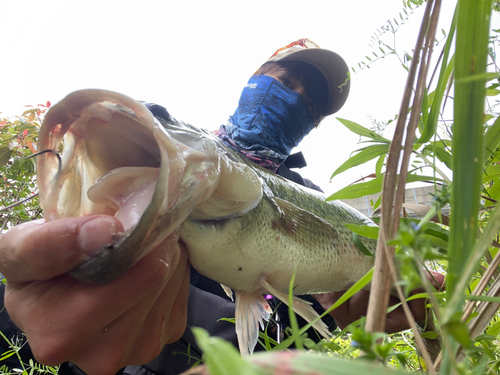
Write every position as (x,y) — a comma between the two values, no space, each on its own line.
(433,165)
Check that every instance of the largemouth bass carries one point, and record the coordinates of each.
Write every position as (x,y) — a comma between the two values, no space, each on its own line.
(244,227)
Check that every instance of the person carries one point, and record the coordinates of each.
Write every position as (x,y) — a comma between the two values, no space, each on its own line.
(137,323)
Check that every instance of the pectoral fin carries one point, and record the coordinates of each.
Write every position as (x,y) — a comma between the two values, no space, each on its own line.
(300,224)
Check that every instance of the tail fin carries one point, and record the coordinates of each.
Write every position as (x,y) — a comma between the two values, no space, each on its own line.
(300,307)
(251,310)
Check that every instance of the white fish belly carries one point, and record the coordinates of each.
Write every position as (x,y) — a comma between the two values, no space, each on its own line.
(236,252)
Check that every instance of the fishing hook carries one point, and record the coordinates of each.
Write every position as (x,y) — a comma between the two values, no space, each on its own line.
(44,152)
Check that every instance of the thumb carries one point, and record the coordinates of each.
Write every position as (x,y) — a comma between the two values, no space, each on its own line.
(41,250)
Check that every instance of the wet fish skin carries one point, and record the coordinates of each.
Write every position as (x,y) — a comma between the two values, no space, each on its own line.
(243,226)
(279,237)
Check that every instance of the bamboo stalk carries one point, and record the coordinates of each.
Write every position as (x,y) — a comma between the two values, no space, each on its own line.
(381,284)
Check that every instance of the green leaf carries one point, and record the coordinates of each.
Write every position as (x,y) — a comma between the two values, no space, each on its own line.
(358,190)
(360,245)
(425,107)
(438,231)
(429,335)
(472,38)
(488,117)
(492,138)
(494,329)
(460,332)
(494,191)
(296,335)
(5,153)
(471,297)
(221,357)
(362,131)
(358,285)
(371,187)
(441,153)
(362,157)
(7,354)
(304,363)
(477,77)
(368,231)
(491,172)
(377,202)
(379,165)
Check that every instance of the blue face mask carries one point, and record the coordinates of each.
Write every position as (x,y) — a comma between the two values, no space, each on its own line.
(270,115)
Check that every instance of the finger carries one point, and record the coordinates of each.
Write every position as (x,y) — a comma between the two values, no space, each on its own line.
(437,279)
(59,314)
(139,336)
(42,250)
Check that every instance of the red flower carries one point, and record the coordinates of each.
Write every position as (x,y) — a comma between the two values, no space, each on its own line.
(48,104)
(25,132)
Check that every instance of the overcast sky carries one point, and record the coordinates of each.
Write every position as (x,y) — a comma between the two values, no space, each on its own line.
(194,57)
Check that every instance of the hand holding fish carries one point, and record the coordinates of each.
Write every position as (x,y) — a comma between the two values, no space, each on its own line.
(243,226)
(99,328)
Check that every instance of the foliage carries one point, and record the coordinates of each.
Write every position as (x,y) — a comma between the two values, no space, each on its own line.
(469,148)
(18,138)
(382,48)
(222,358)
(19,201)
(414,2)
(31,367)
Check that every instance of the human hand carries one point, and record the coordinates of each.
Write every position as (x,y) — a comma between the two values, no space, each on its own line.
(357,307)
(99,328)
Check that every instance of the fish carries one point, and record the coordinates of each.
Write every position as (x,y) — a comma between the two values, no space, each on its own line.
(243,226)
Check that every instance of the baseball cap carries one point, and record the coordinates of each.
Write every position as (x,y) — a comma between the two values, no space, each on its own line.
(330,64)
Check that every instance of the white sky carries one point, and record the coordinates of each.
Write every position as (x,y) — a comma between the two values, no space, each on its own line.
(194,57)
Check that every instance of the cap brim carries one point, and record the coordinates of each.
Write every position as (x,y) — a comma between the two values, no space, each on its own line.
(334,69)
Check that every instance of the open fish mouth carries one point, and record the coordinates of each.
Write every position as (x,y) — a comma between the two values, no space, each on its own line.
(150,173)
